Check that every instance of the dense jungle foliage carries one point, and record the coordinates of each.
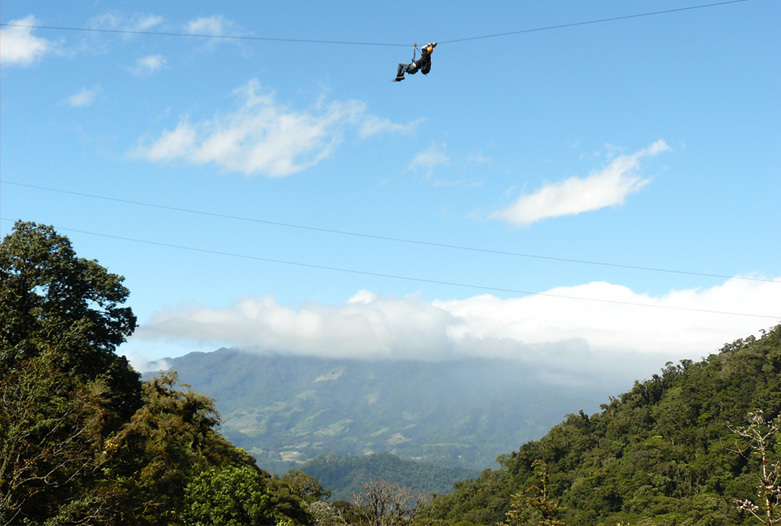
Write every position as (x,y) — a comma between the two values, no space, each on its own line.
(664,453)
(82,439)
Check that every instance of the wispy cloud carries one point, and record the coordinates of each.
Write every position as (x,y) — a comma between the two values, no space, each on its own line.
(208,25)
(125,22)
(263,136)
(375,126)
(478,158)
(144,22)
(426,160)
(83,98)
(148,65)
(570,331)
(19,47)
(214,26)
(606,187)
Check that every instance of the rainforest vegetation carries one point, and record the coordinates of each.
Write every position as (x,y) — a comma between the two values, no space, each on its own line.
(668,452)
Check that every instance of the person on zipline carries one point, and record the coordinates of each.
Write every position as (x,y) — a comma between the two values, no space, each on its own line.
(423,64)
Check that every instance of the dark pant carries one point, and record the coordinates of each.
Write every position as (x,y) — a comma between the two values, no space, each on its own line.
(411,68)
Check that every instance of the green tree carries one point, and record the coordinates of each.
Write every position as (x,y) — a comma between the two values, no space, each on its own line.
(532,506)
(52,300)
(228,496)
(63,390)
(293,492)
(306,487)
(50,441)
(82,439)
(169,441)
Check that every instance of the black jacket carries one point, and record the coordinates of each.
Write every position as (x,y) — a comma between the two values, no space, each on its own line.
(424,62)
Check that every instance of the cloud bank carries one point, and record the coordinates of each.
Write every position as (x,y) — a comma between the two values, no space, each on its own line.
(265,137)
(607,187)
(593,328)
(19,47)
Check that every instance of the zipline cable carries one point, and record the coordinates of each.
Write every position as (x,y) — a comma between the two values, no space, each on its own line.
(389,238)
(409,278)
(359,43)
(589,22)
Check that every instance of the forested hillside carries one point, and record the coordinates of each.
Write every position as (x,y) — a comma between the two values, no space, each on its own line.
(661,454)
(343,476)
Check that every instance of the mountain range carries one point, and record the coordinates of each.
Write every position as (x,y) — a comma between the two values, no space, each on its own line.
(287,410)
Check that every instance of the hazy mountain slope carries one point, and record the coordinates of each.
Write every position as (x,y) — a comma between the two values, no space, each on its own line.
(288,409)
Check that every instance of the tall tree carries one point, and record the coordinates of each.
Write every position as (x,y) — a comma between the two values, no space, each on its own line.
(169,441)
(62,387)
(50,439)
(532,507)
(759,440)
(52,300)
(383,503)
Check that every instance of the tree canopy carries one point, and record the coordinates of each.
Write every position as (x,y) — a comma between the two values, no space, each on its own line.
(52,301)
(82,440)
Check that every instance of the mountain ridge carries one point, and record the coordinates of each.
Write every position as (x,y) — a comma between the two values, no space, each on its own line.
(287,410)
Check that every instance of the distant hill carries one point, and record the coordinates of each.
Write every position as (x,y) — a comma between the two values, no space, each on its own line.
(660,454)
(287,410)
(343,475)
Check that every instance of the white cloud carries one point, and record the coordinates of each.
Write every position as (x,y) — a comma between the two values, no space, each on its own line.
(148,65)
(429,159)
(607,187)
(144,22)
(374,126)
(18,46)
(214,26)
(208,25)
(83,98)
(262,136)
(172,144)
(123,22)
(596,328)
(478,158)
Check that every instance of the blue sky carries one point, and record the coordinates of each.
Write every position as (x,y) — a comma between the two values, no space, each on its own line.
(596,197)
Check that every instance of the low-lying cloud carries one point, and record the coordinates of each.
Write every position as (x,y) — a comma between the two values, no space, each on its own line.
(265,137)
(568,331)
(609,186)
